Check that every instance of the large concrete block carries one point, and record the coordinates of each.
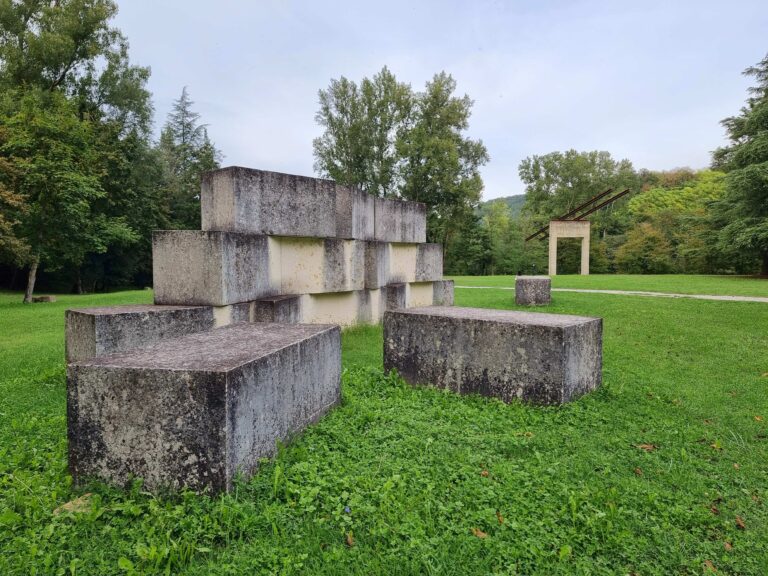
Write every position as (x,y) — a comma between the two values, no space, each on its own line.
(214,268)
(393,263)
(400,221)
(533,290)
(377,264)
(315,265)
(97,331)
(243,200)
(396,296)
(354,213)
(284,309)
(419,294)
(429,263)
(196,410)
(538,358)
(443,293)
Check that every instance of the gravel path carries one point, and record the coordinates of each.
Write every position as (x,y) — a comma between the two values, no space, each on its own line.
(641,293)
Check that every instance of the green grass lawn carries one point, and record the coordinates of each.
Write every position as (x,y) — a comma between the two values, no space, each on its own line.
(400,480)
(677,283)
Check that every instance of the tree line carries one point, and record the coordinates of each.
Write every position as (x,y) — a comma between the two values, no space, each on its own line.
(83,183)
(394,142)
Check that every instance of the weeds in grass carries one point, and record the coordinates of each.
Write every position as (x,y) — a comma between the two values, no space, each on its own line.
(419,481)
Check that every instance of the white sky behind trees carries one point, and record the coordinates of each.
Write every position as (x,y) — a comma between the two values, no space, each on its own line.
(648,81)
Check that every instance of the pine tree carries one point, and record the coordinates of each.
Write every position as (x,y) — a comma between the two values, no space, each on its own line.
(743,212)
(186,152)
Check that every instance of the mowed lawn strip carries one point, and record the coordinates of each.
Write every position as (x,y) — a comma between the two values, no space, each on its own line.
(671,283)
(662,471)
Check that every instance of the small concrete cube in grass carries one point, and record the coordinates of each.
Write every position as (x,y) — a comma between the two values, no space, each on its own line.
(197,410)
(534,357)
(533,290)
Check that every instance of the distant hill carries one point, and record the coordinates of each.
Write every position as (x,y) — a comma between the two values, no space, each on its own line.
(515,204)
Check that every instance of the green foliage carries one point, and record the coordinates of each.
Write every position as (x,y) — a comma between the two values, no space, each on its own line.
(361,127)
(692,198)
(186,152)
(743,212)
(13,206)
(646,251)
(559,181)
(73,104)
(426,481)
(514,203)
(441,166)
(391,141)
(52,153)
(469,250)
(49,45)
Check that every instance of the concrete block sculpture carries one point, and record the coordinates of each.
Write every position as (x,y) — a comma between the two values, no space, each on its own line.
(237,352)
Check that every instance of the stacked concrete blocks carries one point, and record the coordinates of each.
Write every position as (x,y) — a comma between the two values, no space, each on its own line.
(242,347)
(537,358)
(333,249)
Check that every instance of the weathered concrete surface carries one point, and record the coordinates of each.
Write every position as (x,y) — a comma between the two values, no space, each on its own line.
(377,264)
(399,221)
(429,263)
(196,410)
(395,263)
(419,294)
(315,265)
(396,296)
(214,268)
(533,290)
(354,213)
(443,293)
(239,199)
(538,358)
(97,331)
(283,309)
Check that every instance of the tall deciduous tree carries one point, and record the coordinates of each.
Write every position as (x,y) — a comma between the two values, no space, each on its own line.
(186,152)
(390,141)
(13,206)
(441,165)
(58,59)
(362,126)
(557,182)
(52,152)
(743,212)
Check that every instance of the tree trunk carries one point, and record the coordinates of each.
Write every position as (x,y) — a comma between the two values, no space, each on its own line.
(31,281)
(764,271)
(79,283)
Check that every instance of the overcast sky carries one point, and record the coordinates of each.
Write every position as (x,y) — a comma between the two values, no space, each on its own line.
(648,80)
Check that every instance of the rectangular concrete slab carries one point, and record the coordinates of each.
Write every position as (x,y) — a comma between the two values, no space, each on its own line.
(97,331)
(533,290)
(394,263)
(399,221)
(210,268)
(239,199)
(195,411)
(537,358)
(315,265)
(284,309)
(429,263)
(442,293)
